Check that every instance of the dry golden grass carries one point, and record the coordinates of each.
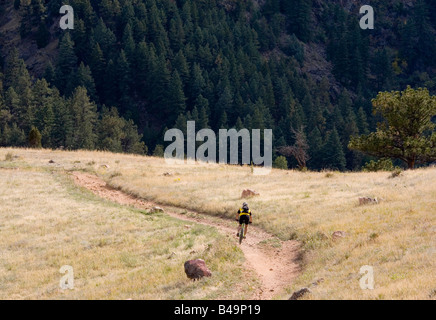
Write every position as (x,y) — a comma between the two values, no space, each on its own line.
(396,237)
(116,252)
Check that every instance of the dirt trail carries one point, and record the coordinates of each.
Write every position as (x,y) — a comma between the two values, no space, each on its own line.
(275,267)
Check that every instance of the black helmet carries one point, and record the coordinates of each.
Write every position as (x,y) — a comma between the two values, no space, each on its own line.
(245,205)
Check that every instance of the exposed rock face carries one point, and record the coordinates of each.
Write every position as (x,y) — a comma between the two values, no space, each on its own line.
(196,269)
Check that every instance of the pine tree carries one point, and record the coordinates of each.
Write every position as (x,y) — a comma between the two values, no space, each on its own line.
(106,10)
(105,38)
(97,64)
(110,130)
(84,117)
(181,65)
(315,152)
(159,78)
(202,104)
(197,83)
(175,97)
(38,12)
(80,38)
(362,122)
(176,33)
(49,73)
(111,87)
(16,73)
(280,163)
(66,63)
(26,18)
(333,153)
(62,131)
(407,130)
(131,141)
(42,35)
(225,104)
(34,138)
(299,13)
(142,68)
(128,43)
(83,78)
(16,136)
(43,111)
(124,80)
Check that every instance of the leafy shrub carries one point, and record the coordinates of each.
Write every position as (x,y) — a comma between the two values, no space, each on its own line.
(158,151)
(380,165)
(9,156)
(280,163)
(35,138)
(396,173)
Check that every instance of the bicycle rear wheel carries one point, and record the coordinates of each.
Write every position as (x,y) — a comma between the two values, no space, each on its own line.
(242,233)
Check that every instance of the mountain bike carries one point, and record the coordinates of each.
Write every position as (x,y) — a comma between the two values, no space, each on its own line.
(242,233)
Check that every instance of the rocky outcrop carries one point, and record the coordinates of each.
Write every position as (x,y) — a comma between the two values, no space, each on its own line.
(300,293)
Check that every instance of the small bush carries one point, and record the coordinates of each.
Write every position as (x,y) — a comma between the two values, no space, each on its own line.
(373,236)
(35,138)
(158,151)
(396,173)
(115,174)
(9,156)
(280,163)
(380,165)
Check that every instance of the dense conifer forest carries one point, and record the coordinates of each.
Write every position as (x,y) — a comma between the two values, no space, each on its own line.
(131,69)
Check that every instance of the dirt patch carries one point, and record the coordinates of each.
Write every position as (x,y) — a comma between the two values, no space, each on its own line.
(276,266)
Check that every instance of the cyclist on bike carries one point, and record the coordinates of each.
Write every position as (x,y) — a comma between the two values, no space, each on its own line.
(244,216)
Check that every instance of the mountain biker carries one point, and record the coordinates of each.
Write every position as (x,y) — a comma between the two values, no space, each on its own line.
(244,216)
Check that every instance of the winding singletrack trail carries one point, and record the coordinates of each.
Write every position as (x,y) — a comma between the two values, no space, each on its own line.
(276,266)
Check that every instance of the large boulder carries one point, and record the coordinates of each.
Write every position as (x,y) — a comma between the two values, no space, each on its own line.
(338,235)
(300,293)
(248,193)
(368,200)
(196,269)
(157,210)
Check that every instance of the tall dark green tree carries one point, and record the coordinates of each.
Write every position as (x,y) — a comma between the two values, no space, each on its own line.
(84,117)
(332,152)
(299,13)
(66,63)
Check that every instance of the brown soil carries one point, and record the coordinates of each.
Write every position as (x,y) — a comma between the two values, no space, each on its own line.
(275,265)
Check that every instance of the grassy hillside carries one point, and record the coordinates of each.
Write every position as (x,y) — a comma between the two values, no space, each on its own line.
(396,236)
(116,252)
